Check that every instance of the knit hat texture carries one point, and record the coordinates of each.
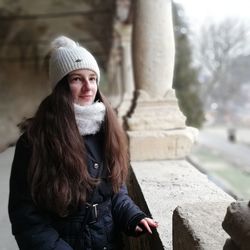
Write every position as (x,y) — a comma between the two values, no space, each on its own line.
(66,56)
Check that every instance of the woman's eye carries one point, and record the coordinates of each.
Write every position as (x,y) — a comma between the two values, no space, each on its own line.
(75,79)
(92,79)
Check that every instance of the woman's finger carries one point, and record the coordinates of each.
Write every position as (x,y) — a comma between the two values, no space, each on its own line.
(145,224)
(151,222)
(138,229)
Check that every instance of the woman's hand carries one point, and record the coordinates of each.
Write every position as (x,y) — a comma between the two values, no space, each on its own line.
(145,225)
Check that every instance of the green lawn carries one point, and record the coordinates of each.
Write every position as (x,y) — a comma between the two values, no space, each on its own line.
(223,172)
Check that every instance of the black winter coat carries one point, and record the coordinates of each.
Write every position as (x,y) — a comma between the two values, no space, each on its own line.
(37,230)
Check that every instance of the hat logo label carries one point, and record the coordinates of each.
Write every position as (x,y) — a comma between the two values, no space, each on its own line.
(78,60)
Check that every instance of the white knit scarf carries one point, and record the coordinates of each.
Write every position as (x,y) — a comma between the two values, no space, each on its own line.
(89,118)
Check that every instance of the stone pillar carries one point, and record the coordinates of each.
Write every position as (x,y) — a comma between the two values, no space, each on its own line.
(115,74)
(156,126)
(119,67)
(153,46)
(127,71)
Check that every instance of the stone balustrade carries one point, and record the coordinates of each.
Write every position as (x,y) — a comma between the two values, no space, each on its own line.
(189,207)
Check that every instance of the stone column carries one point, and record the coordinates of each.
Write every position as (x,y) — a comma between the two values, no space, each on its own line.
(156,127)
(127,71)
(115,74)
(120,60)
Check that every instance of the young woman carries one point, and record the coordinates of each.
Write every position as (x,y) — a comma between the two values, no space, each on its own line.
(67,184)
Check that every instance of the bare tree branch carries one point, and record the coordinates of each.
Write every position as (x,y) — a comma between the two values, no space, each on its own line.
(220,46)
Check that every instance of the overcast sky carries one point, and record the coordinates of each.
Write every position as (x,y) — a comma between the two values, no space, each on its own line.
(200,11)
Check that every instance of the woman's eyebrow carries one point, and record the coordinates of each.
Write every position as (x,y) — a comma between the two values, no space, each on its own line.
(75,74)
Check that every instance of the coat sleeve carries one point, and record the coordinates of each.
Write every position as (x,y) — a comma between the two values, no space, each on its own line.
(30,227)
(126,214)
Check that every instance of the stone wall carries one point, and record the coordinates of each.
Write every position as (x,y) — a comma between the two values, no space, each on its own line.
(144,242)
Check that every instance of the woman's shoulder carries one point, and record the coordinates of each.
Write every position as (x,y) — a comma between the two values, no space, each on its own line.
(23,141)
(23,152)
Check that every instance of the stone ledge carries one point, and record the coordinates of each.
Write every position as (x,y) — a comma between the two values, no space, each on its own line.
(197,226)
(168,184)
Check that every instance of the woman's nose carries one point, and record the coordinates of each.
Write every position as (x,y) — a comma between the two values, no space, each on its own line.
(86,85)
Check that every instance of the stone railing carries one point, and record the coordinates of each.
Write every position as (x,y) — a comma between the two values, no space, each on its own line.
(189,208)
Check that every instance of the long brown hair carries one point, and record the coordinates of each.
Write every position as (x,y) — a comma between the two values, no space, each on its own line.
(57,173)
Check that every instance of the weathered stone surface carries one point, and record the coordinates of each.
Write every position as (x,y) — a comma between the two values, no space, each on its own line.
(156,114)
(168,184)
(237,224)
(155,109)
(161,144)
(197,226)
(153,46)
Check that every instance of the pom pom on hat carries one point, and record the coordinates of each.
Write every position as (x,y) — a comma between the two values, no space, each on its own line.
(62,41)
(67,56)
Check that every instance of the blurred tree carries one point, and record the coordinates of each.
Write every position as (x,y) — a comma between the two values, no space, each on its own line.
(221,49)
(185,80)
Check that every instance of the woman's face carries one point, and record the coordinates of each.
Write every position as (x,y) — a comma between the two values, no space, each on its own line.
(83,86)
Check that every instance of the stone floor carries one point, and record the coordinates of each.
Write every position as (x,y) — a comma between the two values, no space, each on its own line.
(7,241)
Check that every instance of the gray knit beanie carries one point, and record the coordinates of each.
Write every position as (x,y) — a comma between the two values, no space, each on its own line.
(66,56)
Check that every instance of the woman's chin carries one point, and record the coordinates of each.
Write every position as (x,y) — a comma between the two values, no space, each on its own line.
(83,103)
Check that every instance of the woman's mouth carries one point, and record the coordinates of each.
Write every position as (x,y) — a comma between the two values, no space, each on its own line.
(85,96)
